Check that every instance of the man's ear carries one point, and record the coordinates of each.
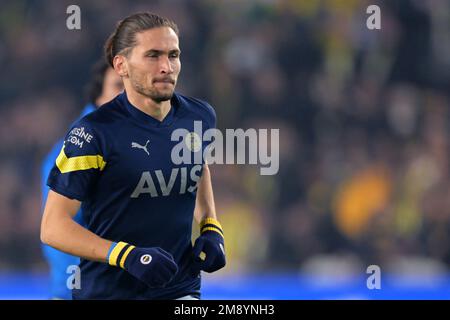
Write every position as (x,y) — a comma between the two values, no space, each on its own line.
(120,65)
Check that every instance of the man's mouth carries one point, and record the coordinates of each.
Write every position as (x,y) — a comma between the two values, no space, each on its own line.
(171,81)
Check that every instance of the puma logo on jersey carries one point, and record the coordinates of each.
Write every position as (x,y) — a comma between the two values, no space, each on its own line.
(138,146)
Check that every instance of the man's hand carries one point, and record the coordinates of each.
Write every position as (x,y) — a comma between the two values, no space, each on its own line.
(211,243)
(153,266)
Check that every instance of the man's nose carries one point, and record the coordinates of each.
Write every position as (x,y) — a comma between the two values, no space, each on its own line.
(165,65)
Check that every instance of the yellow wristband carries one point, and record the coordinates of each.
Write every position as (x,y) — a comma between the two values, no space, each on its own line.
(211,224)
(119,254)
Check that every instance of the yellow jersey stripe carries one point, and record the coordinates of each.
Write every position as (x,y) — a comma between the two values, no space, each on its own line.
(125,255)
(66,164)
(115,253)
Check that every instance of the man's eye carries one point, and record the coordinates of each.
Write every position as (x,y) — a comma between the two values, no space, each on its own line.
(174,55)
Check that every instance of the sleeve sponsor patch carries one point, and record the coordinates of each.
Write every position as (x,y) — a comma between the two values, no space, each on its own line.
(79,136)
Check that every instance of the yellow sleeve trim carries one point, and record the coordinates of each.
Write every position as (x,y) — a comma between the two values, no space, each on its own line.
(115,253)
(66,164)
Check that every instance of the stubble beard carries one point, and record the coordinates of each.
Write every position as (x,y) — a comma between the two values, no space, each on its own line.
(150,92)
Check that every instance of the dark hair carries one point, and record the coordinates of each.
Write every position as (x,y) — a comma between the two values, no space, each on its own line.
(94,88)
(124,37)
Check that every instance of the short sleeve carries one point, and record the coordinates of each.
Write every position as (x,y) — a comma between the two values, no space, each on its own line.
(80,162)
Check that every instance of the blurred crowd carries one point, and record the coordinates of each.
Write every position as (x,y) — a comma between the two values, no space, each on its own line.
(363,116)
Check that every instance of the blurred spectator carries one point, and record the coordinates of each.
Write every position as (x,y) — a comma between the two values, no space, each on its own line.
(363,118)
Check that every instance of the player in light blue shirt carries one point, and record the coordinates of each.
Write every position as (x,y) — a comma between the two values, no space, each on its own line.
(105,85)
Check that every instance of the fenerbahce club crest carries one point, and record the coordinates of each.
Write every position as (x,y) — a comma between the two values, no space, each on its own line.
(193,141)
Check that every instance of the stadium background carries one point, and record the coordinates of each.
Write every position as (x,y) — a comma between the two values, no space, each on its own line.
(364,137)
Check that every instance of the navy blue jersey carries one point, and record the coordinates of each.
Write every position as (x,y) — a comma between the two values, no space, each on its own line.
(117,162)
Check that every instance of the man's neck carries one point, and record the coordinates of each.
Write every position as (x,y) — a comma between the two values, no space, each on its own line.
(154,109)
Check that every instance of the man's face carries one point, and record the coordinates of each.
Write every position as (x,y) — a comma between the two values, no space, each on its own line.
(112,86)
(153,65)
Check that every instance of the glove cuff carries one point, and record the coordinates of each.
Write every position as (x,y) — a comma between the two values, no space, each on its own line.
(211,224)
(118,253)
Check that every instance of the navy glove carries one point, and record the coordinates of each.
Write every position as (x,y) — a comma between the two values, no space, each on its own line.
(211,244)
(153,266)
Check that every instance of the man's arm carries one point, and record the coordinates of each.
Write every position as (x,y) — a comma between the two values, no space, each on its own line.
(59,230)
(208,250)
(204,203)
